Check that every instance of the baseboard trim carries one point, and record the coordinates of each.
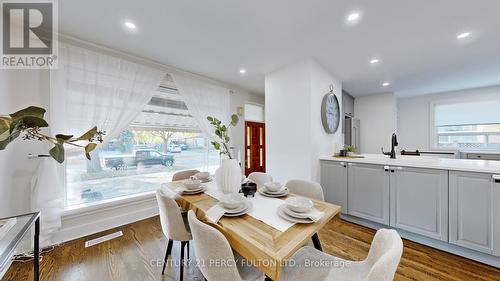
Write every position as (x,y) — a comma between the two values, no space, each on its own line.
(77,225)
(437,244)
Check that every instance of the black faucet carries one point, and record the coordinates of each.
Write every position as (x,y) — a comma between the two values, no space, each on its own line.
(394,143)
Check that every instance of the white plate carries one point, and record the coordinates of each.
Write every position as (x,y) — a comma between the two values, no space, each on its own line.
(274,192)
(236,210)
(246,209)
(262,192)
(295,214)
(282,214)
(194,191)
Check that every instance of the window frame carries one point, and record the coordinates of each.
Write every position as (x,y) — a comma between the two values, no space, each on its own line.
(433,135)
(102,204)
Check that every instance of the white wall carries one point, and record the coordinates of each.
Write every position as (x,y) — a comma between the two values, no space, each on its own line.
(19,89)
(237,99)
(414,114)
(295,138)
(323,144)
(377,115)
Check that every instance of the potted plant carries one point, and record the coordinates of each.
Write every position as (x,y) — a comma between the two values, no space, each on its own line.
(228,176)
(351,150)
(28,123)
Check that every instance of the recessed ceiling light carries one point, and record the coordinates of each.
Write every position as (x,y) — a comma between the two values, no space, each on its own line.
(385,84)
(130,25)
(463,35)
(374,61)
(243,71)
(352,17)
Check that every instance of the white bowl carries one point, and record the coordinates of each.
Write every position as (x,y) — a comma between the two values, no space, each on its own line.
(202,175)
(299,204)
(192,184)
(273,186)
(232,200)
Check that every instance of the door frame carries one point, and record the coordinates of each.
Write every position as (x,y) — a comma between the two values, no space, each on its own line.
(263,144)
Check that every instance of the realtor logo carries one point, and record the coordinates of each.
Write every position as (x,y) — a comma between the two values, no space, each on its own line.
(29,35)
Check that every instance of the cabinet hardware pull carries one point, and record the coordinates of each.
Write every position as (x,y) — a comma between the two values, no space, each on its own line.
(386,168)
(496,178)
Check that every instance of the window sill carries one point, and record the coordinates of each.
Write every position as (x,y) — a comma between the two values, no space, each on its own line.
(80,209)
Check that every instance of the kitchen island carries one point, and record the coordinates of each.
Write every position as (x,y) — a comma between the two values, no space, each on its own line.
(450,204)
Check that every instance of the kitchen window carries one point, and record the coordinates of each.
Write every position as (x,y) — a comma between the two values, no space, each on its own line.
(163,138)
(473,125)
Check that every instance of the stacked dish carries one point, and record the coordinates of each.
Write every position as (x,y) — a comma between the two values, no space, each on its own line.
(192,187)
(299,210)
(203,177)
(234,205)
(273,189)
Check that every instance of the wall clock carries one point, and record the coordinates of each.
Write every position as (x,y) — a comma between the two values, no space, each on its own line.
(330,112)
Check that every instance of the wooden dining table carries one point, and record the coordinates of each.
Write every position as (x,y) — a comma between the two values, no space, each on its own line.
(259,243)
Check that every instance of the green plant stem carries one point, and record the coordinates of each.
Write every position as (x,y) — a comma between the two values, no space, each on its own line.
(54,140)
(227,150)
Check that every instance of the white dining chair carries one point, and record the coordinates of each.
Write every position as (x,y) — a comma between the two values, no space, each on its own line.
(174,225)
(211,245)
(380,265)
(184,175)
(311,190)
(260,178)
(305,188)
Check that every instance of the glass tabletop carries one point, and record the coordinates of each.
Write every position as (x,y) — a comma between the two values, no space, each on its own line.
(12,232)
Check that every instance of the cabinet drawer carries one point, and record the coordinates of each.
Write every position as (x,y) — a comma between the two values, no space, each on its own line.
(483,156)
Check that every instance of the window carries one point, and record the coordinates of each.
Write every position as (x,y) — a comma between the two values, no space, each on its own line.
(467,125)
(163,139)
(254,112)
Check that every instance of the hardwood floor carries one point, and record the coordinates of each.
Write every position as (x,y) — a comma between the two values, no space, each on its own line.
(137,255)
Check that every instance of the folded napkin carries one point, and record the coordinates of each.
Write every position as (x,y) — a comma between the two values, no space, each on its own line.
(315,215)
(215,213)
(174,194)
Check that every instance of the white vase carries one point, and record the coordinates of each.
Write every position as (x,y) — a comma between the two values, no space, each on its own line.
(228,176)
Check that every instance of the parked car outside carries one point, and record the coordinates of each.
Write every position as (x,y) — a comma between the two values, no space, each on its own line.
(174,148)
(184,146)
(146,157)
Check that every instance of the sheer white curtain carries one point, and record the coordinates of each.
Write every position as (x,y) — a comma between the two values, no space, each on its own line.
(88,89)
(203,99)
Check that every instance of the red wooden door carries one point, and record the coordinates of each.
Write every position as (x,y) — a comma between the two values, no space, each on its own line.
(255,147)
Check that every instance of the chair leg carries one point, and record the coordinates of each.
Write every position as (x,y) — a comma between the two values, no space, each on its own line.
(188,249)
(316,242)
(183,244)
(169,251)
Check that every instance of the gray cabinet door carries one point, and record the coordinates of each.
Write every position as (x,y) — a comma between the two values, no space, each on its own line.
(496,217)
(471,210)
(334,183)
(368,193)
(347,104)
(419,201)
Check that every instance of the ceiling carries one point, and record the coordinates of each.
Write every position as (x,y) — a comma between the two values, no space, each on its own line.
(415,40)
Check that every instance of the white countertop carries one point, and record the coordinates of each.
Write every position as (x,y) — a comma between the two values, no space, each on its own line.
(480,166)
